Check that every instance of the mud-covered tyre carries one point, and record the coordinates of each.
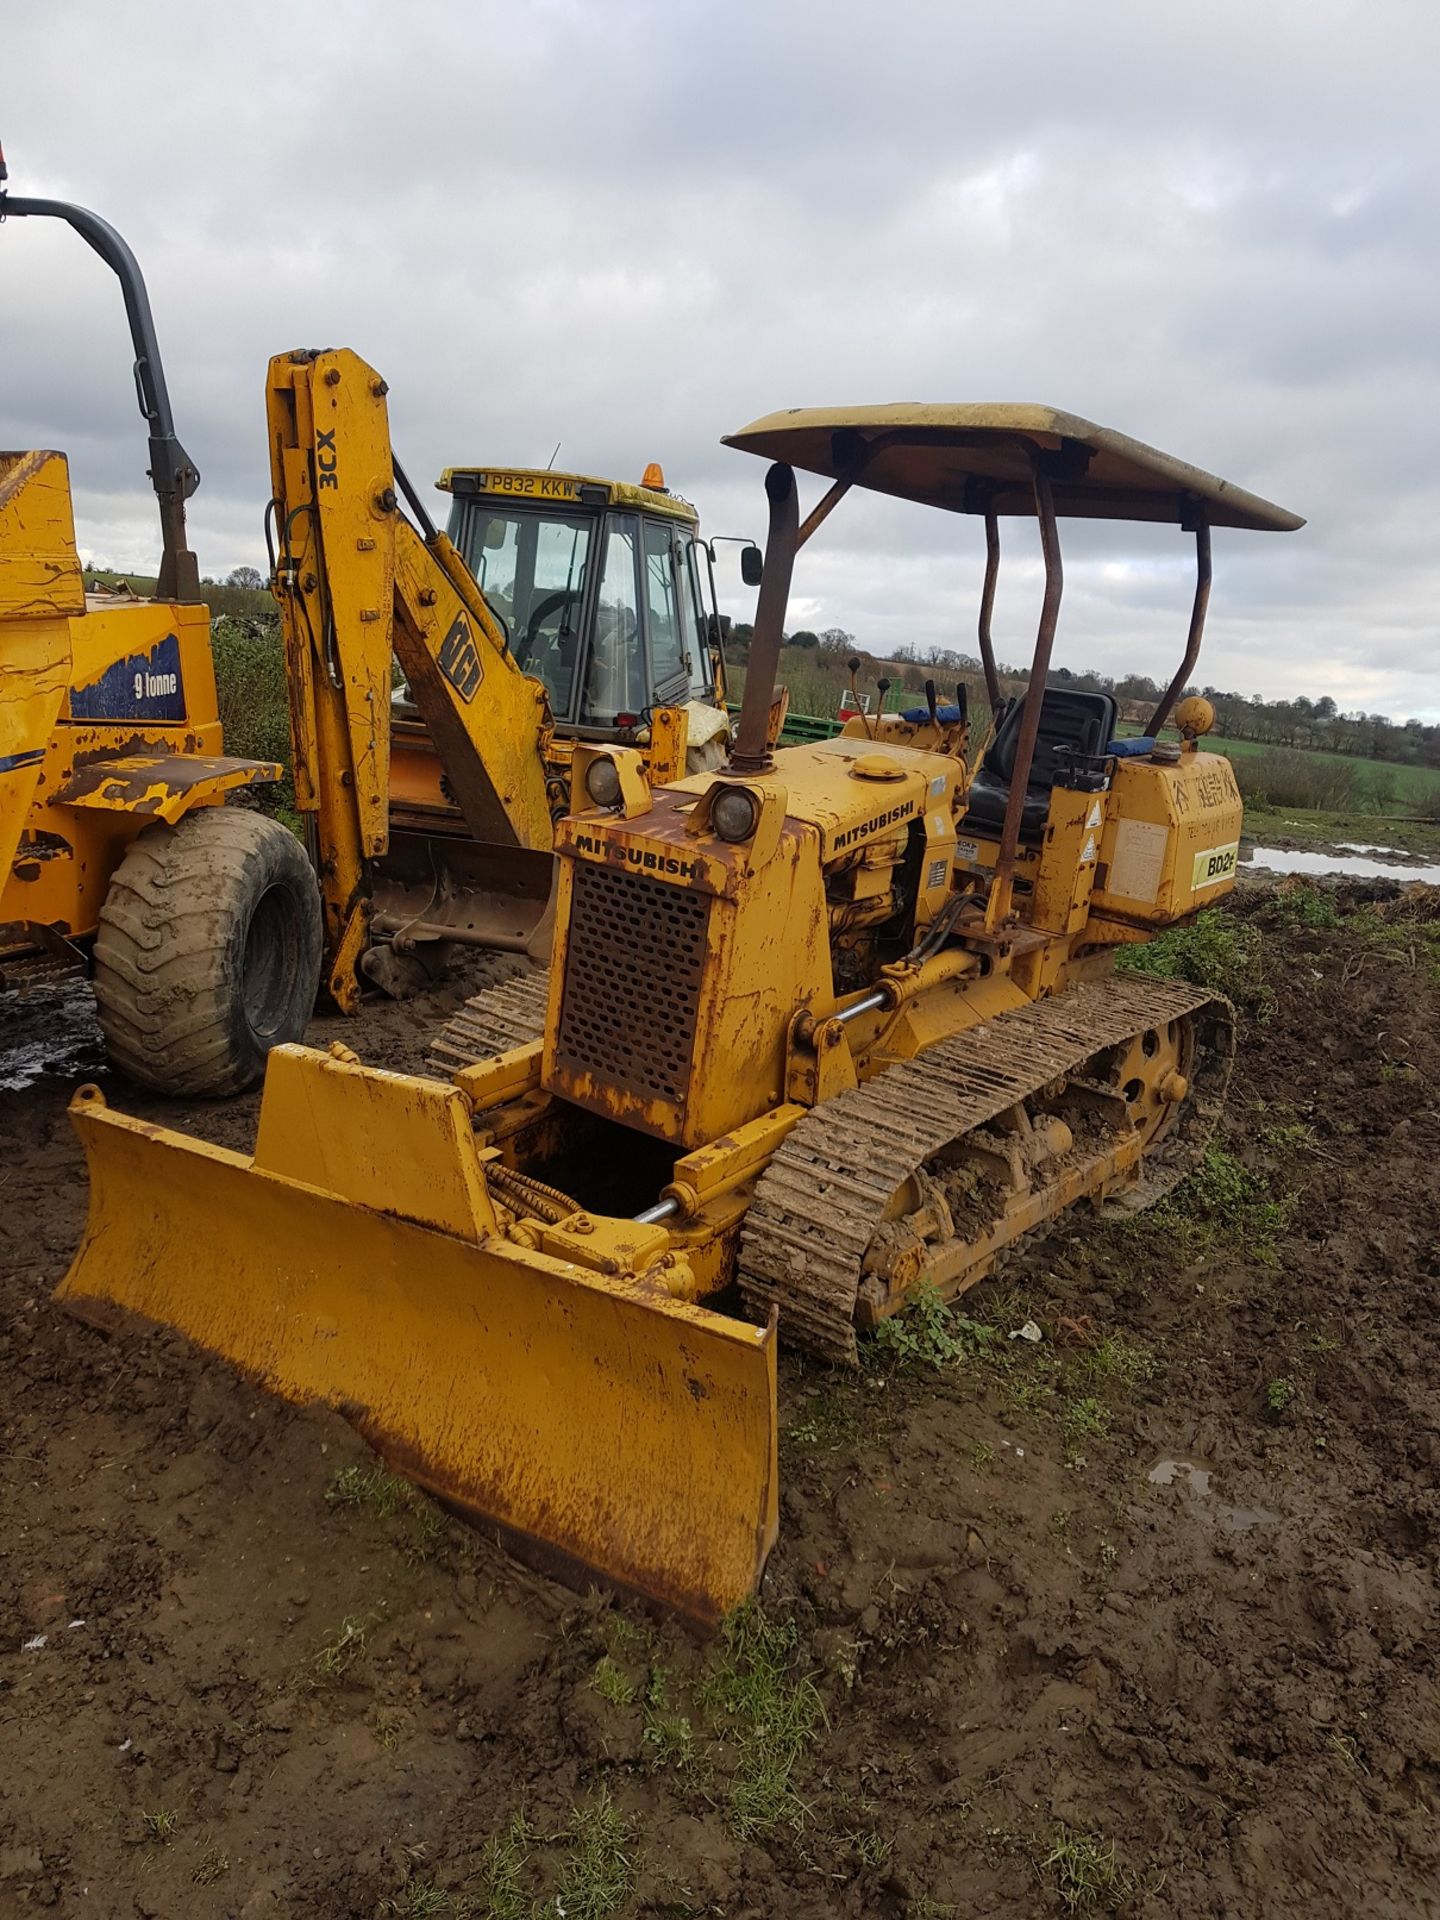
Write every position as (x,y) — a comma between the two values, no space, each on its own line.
(208,951)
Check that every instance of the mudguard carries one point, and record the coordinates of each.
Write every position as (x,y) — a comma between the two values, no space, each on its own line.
(353,1260)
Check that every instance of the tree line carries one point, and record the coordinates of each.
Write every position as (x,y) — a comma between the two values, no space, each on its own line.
(1298,723)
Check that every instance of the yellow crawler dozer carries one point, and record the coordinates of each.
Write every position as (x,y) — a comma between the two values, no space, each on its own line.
(825,1026)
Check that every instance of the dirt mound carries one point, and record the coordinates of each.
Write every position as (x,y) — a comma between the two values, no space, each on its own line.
(1139,1616)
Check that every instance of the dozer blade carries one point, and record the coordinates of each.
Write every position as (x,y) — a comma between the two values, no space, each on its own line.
(597,1422)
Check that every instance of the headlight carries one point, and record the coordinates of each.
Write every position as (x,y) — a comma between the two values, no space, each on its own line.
(732,813)
(602,783)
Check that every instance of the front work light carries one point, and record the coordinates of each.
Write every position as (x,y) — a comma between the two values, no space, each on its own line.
(733,813)
(602,783)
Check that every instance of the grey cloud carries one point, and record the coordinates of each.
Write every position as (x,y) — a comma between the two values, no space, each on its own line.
(632,227)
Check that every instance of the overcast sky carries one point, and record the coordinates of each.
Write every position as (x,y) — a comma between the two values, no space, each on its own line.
(632,227)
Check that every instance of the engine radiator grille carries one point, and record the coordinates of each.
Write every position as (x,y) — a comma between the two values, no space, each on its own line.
(634,966)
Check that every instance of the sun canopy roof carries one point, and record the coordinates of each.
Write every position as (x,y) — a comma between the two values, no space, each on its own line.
(975,457)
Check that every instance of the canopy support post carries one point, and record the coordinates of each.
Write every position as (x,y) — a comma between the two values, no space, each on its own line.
(1197,623)
(1002,887)
(987,608)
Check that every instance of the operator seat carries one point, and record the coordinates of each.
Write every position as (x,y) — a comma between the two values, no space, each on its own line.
(1069,721)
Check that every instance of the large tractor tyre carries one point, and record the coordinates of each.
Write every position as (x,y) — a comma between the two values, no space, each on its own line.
(208,952)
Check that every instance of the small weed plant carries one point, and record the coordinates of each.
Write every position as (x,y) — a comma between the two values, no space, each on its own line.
(1280,1396)
(612,1683)
(930,1333)
(343,1649)
(1086,1873)
(161,1825)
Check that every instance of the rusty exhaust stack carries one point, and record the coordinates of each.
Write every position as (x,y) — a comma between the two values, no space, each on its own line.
(750,752)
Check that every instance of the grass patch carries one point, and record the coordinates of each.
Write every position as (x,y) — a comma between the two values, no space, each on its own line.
(1086,1418)
(1214,951)
(382,1494)
(502,1894)
(419,1900)
(771,1708)
(374,1489)
(872,1849)
(1115,1357)
(1222,1204)
(161,1825)
(1086,1873)
(828,1423)
(669,1739)
(1266,825)
(612,1683)
(1299,904)
(598,1872)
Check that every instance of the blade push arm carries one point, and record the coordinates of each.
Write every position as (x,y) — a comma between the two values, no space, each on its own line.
(359,587)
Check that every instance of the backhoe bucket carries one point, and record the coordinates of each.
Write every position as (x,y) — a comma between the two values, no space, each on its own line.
(354,1261)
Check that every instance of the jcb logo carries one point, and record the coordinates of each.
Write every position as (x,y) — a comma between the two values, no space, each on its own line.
(326,460)
(1213,866)
(460,660)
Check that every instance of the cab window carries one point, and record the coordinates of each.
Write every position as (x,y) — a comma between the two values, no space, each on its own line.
(694,626)
(532,570)
(663,611)
(615,676)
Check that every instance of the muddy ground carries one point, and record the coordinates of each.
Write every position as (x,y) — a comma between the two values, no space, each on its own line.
(1139,1617)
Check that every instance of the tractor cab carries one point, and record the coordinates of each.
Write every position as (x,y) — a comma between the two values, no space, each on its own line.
(604,589)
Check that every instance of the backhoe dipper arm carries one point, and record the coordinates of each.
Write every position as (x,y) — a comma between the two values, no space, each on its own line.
(358,587)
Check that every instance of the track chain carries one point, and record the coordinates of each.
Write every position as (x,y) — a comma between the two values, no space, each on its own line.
(510,1015)
(824,1195)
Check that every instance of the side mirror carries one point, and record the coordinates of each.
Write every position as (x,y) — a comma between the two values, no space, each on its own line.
(752,565)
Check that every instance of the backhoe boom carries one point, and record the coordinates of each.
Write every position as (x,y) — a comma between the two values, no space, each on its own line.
(359,588)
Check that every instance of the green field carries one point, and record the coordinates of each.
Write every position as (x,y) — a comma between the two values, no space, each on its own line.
(1416,788)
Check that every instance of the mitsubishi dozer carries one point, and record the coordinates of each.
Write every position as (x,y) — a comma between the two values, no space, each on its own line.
(823,1027)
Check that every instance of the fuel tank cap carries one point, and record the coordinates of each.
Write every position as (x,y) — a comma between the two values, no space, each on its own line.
(877,766)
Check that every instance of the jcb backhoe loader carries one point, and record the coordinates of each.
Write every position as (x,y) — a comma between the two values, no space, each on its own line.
(832,1024)
(198,921)
(557,608)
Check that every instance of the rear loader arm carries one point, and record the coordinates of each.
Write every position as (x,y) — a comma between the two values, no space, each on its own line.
(358,587)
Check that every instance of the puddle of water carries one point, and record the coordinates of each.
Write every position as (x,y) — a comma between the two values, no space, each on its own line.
(1170,1473)
(1353,865)
(1165,1473)
(1242,1519)
(48,1033)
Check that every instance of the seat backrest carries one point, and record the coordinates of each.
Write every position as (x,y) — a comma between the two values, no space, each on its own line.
(1084,722)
